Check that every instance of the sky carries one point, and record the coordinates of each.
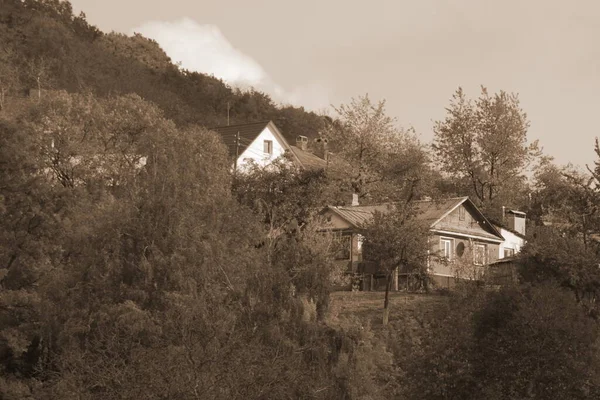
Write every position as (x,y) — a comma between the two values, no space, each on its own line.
(413,54)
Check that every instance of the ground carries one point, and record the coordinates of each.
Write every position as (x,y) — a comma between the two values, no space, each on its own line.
(407,310)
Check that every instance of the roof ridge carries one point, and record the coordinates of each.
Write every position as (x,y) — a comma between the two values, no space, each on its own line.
(242,124)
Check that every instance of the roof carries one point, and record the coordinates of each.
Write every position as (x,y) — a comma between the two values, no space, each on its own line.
(248,133)
(359,216)
(429,211)
(308,160)
(432,211)
(517,212)
(503,226)
(510,259)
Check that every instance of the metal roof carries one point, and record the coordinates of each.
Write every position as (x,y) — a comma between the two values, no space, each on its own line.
(308,160)
(429,211)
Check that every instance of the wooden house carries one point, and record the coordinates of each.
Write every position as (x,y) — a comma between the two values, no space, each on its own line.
(461,239)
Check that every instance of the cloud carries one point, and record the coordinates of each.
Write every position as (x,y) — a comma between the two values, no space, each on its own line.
(204,48)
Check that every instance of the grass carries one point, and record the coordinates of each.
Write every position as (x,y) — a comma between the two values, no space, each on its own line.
(349,309)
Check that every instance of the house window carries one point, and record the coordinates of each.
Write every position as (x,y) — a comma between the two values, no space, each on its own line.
(343,247)
(268,147)
(479,254)
(509,252)
(461,213)
(446,246)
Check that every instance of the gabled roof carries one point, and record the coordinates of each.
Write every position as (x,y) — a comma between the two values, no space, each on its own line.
(308,160)
(429,211)
(359,216)
(433,211)
(250,131)
(248,134)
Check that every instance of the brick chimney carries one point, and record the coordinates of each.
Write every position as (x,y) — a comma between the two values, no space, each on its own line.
(354,199)
(302,142)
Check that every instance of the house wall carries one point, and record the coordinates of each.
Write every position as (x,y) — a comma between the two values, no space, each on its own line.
(469,225)
(457,264)
(511,241)
(256,152)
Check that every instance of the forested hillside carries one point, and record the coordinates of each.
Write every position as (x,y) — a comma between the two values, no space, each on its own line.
(45,46)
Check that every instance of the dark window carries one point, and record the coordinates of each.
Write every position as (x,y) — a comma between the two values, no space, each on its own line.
(268,147)
(509,252)
(461,213)
(343,244)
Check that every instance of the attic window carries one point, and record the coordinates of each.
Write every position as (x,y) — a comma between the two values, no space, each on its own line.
(268,147)
(461,213)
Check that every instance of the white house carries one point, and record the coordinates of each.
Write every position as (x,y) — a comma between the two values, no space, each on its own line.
(513,232)
(262,143)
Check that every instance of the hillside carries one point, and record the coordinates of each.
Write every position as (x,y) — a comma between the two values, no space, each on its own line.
(45,46)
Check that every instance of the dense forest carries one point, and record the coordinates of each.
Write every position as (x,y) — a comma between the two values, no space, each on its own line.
(46,47)
(134,264)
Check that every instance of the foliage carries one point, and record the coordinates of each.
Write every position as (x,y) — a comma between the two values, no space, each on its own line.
(42,44)
(484,144)
(124,279)
(287,200)
(379,161)
(396,240)
(517,343)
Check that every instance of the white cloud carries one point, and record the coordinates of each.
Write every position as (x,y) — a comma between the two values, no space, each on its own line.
(204,48)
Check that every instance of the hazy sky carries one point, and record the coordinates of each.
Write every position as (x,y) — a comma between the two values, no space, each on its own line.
(414,54)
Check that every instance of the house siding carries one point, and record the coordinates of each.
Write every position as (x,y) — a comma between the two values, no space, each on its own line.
(468,225)
(464,228)
(511,241)
(456,265)
(255,151)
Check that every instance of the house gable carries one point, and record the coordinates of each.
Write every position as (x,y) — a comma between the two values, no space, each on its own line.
(336,221)
(251,147)
(256,151)
(465,220)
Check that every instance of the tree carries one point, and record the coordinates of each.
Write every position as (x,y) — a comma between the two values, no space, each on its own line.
(8,74)
(379,161)
(484,143)
(532,342)
(286,200)
(396,240)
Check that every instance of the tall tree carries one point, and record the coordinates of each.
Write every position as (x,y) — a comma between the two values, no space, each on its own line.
(484,142)
(379,160)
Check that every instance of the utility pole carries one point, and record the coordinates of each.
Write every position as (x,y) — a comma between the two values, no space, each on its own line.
(237,152)
(227,113)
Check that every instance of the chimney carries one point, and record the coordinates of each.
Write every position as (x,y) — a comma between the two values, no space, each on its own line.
(515,220)
(302,142)
(354,199)
(321,148)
